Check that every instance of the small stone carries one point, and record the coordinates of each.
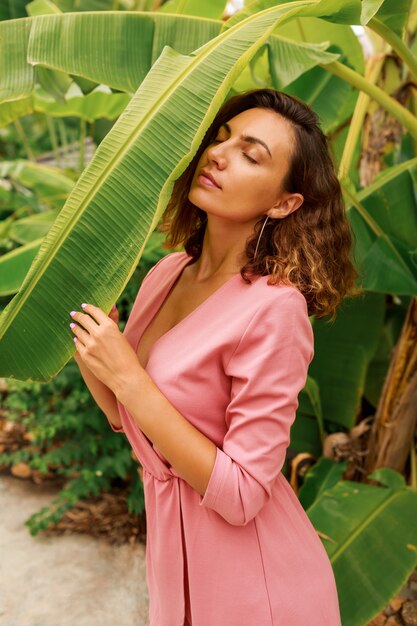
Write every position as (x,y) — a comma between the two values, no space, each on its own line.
(409,612)
(388,611)
(21,470)
(394,620)
(396,603)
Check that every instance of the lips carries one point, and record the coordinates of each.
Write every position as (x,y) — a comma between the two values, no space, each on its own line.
(210,177)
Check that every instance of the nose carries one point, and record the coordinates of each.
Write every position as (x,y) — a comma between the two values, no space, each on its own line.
(215,153)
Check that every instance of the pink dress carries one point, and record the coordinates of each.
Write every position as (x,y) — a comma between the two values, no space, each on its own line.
(245,554)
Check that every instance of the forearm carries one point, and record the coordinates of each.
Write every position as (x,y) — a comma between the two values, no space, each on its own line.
(103,396)
(188,451)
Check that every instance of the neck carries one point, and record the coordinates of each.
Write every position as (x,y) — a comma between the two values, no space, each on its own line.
(223,250)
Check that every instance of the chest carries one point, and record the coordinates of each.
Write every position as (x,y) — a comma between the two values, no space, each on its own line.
(181,301)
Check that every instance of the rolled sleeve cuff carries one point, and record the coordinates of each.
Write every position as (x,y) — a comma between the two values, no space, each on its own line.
(215,483)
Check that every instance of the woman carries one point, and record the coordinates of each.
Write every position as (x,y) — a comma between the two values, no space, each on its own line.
(223,341)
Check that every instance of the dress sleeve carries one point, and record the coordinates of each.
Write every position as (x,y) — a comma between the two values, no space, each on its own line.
(268,369)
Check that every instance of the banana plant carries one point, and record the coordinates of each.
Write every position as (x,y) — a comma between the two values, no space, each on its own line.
(112,222)
(178,100)
(366,530)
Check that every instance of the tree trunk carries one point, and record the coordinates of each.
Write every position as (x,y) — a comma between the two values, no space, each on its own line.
(394,426)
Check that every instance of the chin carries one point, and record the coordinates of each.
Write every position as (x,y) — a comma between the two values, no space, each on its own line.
(198,198)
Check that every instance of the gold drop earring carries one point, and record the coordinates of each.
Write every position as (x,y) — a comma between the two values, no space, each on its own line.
(260,234)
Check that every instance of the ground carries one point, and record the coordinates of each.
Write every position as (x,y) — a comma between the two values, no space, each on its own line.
(68,579)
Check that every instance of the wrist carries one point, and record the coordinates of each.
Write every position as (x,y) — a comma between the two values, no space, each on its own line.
(129,383)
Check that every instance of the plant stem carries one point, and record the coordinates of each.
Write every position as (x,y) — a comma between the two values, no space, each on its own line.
(53,138)
(64,142)
(413,464)
(23,138)
(396,43)
(400,113)
(373,69)
(83,133)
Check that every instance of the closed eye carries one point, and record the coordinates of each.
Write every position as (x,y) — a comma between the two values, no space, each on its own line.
(249,158)
(243,153)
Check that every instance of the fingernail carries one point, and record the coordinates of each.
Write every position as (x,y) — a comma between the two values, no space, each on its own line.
(113,307)
(83,305)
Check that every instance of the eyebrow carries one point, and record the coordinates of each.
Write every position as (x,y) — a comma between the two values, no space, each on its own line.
(248,138)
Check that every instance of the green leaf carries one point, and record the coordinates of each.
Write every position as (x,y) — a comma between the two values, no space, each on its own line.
(97,240)
(370,536)
(41,7)
(290,59)
(14,266)
(307,432)
(393,13)
(99,103)
(73,42)
(12,9)
(346,12)
(343,351)
(384,220)
(11,111)
(210,8)
(322,476)
(27,229)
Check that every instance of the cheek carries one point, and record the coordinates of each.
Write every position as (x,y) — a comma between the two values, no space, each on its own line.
(254,187)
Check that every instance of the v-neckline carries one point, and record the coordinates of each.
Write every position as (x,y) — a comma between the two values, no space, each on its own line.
(167,291)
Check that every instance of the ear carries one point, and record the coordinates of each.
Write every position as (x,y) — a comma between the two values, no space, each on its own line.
(286,205)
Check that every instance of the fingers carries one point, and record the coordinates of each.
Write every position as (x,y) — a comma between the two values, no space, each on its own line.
(80,333)
(96,313)
(84,320)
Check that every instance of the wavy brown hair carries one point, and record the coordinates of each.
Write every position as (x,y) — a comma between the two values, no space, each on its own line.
(310,248)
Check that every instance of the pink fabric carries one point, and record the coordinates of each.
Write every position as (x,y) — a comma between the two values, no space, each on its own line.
(234,368)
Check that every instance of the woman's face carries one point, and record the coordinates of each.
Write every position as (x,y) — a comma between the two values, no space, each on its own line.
(249,171)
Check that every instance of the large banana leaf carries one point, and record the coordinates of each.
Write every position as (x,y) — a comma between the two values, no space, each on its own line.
(393,14)
(97,240)
(332,98)
(99,103)
(384,219)
(210,8)
(70,43)
(28,229)
(321,477)
(343,351)
(126,43)
(43,179)
(12,9)
(370,535)
(14,264)
(307,432)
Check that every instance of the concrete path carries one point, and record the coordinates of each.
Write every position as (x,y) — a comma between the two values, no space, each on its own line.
(64,580)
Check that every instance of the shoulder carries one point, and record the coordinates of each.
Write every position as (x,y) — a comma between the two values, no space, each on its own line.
(168,260)
(278,298)
(279,317)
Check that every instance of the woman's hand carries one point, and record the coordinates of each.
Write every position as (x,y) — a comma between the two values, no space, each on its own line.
(113,315)
(102,347)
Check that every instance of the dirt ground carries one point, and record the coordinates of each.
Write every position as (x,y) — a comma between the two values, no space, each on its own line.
(64,580)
